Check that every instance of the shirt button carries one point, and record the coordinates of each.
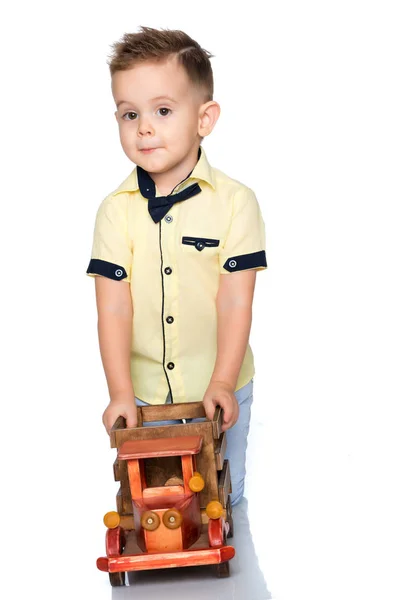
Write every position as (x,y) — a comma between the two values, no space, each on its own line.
(168,219)
(199,245)
(170,319)
(168,270)
(170,366)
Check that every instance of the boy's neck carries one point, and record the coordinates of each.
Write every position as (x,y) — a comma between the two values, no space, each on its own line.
(166,182)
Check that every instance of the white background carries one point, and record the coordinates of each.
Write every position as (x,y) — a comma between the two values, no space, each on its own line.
(310,120)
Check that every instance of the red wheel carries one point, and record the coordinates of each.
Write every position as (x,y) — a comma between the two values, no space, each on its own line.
(216,532)
(115,541)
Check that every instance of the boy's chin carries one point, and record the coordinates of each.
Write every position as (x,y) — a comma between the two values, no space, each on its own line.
(153,165)
(151,160)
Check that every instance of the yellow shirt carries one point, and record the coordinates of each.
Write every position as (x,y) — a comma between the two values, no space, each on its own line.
(173,268)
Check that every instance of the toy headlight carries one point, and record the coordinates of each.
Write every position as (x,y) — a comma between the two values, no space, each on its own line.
(111,519)
(214,509)
(150,520)
(172,519)
(196,483)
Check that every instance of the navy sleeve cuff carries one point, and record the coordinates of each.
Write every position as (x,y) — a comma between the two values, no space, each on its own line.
(107,269)
(246,261)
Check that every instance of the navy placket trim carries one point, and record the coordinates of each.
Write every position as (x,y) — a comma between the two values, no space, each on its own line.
(162,314)
(148,188)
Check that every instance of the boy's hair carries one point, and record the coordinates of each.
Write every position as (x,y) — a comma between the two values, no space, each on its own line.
(159,44)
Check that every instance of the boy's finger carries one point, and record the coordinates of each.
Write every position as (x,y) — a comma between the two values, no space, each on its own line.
(209,409)
(226,426)
(131,422)
(228,413)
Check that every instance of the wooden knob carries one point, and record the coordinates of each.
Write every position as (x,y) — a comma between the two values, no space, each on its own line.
(214,509)
(150,520)
(111,519)
(196,483)
(172,519)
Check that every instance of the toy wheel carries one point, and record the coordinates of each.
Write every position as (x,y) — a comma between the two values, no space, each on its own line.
(115,541)
(222,569)
(117,579)
(229,517)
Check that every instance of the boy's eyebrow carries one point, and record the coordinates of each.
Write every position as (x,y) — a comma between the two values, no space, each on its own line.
(152,100)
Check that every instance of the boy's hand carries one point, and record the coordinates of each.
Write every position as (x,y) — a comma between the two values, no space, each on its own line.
(221,394)
(123,405)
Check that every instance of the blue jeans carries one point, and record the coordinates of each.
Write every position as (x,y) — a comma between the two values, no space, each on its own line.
(236,437)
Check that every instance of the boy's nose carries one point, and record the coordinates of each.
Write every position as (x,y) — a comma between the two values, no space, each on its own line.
(145,127)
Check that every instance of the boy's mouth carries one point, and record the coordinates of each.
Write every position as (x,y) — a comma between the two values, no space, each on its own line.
(147,150)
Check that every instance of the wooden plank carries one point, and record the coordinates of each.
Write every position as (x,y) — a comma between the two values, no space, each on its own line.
(205,463)
(187,472)
(135,472)
(224,483)
(165,560)
(217,422)
(116,469)
(119,424)
(220,450)
(172,446)
(124,502)
(163,492)
(124,486)
(120,507)
(169,412)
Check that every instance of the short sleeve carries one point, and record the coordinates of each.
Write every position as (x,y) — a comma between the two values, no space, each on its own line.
(112,248)
(244,247)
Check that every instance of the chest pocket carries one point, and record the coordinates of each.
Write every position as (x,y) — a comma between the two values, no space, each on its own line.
(200,244)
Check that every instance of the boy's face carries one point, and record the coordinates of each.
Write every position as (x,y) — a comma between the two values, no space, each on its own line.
(171,127)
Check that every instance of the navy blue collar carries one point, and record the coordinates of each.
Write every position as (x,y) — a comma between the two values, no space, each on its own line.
(160,205)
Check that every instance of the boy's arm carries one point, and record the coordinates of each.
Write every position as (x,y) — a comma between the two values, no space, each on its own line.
(234,315)
(115,314)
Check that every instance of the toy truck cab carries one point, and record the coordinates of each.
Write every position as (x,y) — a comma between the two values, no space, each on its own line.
(166,488)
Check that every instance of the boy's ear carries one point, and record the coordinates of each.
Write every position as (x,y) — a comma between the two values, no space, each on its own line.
(208,116)
(116,115)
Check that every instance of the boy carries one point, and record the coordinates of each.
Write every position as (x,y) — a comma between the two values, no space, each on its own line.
(176,248)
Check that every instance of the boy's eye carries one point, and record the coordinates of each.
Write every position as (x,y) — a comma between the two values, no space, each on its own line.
(128,117)
(164,114)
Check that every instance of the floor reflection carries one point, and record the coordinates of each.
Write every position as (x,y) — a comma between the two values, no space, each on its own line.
(246,580)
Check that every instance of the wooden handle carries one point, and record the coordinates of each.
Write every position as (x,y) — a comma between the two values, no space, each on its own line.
(120,423)
(168,412)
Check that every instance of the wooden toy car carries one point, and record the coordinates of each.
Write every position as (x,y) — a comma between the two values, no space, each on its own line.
(173,505)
